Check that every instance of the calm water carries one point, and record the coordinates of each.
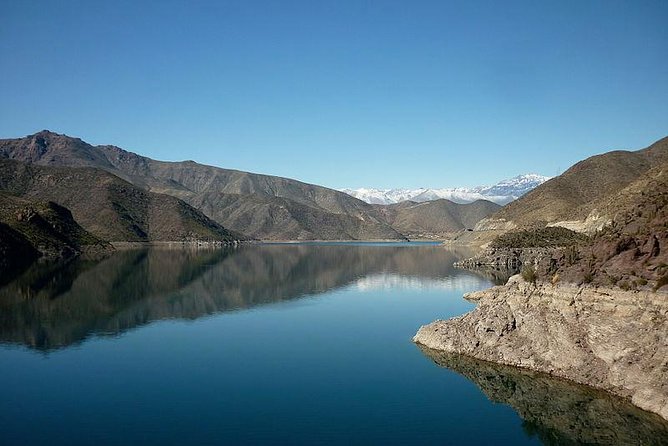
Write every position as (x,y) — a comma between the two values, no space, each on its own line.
(279,344)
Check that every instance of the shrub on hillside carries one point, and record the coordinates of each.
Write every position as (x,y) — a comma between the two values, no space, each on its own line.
(549,237)
(529,274)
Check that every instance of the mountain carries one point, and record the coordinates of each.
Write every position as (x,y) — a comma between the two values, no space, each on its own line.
(437,218)
(108,207)
(585,197)
(30,229)
(631,251)
(501,193)
(260,206)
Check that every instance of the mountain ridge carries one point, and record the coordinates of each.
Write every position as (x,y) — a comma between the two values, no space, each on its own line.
(260,206)
(582,198)
(501,193)
(435,218)
(109,207)
(310,212)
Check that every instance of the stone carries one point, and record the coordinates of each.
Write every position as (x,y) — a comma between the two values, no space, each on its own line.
(606,338)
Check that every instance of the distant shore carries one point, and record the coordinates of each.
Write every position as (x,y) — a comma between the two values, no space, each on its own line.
(206,244)
(179,244)
(288,242)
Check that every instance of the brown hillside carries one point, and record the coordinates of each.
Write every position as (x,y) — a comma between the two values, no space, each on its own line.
(31,229)
(436,218)
(582,191)
(268,203)
(109,207)
(632,252)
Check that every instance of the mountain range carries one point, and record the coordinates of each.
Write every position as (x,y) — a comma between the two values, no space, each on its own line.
(118,195)
(115,195)
(501,193)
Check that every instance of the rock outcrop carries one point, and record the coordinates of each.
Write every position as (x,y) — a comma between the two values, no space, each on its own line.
(610,339)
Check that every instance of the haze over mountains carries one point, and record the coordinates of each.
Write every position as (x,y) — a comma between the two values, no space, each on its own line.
(501,193)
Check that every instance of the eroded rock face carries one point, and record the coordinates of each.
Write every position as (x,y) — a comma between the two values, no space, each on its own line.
(610,339)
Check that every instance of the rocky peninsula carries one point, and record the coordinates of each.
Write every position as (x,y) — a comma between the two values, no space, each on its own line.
(606,338)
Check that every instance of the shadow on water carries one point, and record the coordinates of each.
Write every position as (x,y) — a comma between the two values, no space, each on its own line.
(56,305)
(559,412)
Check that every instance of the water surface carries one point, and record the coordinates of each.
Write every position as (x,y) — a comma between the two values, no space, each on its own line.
(276,344)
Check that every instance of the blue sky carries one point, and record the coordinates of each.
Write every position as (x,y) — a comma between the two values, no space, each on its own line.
(343,94)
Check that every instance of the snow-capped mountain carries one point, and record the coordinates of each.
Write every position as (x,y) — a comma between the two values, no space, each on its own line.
(502,192)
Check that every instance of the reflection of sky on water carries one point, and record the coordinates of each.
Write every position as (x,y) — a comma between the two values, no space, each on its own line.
(462,282)
(233,361)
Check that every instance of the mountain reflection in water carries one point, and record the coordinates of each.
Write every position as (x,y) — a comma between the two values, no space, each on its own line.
(559,412)
(56,305)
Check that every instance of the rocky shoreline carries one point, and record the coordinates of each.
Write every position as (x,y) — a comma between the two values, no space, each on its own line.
(605,338)
(510,259)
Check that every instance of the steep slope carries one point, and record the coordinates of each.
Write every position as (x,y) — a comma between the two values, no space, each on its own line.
(578,198)
(437,218)
(632,252)
(31,229)
(109,207)
(219,193)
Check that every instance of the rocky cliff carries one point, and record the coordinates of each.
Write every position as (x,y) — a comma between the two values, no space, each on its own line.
(610,339)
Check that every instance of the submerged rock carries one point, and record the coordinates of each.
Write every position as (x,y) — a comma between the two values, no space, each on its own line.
(610,339)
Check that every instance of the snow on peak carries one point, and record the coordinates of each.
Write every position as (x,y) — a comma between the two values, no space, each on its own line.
(502,192)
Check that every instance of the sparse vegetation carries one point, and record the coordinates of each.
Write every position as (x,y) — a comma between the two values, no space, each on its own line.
(663,281)
(571,255)
(109,207)
(588,277)
(529,274)
(549,237)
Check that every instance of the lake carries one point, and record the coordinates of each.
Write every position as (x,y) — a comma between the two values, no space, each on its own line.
(271,344)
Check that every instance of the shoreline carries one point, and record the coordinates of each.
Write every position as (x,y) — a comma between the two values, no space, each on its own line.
(123,244)
(397,241)
(176,244)
(608,339)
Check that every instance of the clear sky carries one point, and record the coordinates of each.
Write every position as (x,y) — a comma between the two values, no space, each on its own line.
(343,94)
